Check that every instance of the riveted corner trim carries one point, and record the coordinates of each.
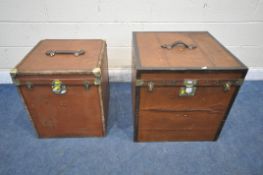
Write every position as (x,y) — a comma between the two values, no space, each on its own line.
(13,73)
(96,72)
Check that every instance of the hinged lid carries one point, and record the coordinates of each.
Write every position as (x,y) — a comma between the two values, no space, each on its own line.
(62,57)
(181,50)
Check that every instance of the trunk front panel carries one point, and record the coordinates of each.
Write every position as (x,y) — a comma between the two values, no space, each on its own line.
(164,115)
(75,113)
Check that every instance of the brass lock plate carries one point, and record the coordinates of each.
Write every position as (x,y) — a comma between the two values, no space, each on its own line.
(189,89)
(58,87)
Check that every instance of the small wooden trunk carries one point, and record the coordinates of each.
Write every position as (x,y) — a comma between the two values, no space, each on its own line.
(184,84)
(64,86)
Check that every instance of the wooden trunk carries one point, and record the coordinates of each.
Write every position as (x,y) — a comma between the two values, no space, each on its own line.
(64,86)
(184,84)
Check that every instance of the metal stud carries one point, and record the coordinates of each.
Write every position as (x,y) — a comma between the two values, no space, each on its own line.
(86,85)
(29,85)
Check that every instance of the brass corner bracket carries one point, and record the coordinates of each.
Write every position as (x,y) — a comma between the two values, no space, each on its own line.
(97,73)
(13,73)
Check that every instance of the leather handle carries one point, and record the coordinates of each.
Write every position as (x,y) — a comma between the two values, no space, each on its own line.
(178,43)
(73,52)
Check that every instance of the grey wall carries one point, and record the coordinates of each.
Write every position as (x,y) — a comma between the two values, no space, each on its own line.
(237,24)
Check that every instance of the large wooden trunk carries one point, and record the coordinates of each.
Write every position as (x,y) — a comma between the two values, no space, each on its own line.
(184,84)
(64,86)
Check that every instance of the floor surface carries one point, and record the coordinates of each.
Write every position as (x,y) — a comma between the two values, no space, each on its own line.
(239,150)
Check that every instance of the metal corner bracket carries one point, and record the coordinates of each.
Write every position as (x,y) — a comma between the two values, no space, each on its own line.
(96,72)
(15,82)
(97,81)
(13,73)
(139,82)
(239,82)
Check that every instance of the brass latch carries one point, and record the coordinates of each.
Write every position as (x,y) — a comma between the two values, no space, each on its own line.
(189,89)
(227,86)
(150,86)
